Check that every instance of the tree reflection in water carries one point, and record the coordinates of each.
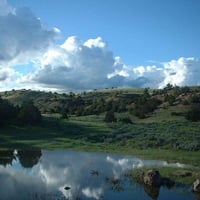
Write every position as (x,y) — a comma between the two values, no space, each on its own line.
(27,158)
(6,157)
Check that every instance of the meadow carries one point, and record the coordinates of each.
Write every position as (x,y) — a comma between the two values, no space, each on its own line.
(167,140)
(143,122)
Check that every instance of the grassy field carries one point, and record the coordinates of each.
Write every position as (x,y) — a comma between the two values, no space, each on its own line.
(165,133)
(172,140)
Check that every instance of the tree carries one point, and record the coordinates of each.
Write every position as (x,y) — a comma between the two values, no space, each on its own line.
(170,99)
(29,114)
(144,106)
(64,113)
(7,112)
(195,99)
(168,87)
(6,157)
(146,94)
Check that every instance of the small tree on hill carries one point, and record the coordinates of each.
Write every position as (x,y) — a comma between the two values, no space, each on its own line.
(64,113)
(170,99)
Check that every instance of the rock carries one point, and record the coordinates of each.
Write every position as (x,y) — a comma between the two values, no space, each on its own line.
(67,188)
(152,181)
(152,178)
(196,186)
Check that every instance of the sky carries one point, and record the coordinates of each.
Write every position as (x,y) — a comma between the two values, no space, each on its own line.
(80,45)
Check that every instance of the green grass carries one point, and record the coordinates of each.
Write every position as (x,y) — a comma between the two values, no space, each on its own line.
(153,140)
(118,90)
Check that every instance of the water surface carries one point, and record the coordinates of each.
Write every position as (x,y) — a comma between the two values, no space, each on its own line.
(66,174)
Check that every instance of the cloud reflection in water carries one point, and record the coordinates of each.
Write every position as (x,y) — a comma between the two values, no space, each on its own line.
(84,175)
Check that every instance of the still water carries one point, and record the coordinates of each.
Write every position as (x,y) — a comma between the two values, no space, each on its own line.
(66,174)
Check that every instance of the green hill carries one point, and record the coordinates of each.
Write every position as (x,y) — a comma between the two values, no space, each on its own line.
(122,120)
(169,103)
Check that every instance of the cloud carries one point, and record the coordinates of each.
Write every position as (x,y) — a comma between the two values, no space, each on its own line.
(75,65)
(78,65)
(180,72)
(6,74)
(95,193)
(183,71)
(23,36)
(7,77)
(19,188)
(5,8)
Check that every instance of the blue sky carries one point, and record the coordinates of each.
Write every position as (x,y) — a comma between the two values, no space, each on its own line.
(140,43)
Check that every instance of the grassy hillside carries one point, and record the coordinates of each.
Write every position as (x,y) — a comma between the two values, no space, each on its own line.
(169,103)
(49,102)
(162,132)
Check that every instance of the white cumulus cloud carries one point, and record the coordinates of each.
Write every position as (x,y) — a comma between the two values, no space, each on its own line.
(6,74)
(75,64)
(79,65)
(5,8)
(85,65)
(22,35)
(23,38)
(183,71)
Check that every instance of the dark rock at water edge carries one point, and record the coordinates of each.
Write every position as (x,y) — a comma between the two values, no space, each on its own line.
(196,186)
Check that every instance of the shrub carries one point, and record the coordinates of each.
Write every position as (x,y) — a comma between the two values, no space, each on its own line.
(126,120)
(110,117)
(193,114)
(170,99)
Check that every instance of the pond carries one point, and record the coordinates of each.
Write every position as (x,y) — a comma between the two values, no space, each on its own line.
(66,174)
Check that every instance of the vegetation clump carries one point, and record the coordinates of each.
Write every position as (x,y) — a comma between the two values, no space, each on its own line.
(110,117)
(29,114)
(26,114)
(194,113)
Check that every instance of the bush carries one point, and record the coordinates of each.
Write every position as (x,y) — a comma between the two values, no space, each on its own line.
(142,108)
(193,114)
(126,120)
(110,117)
(170,99)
